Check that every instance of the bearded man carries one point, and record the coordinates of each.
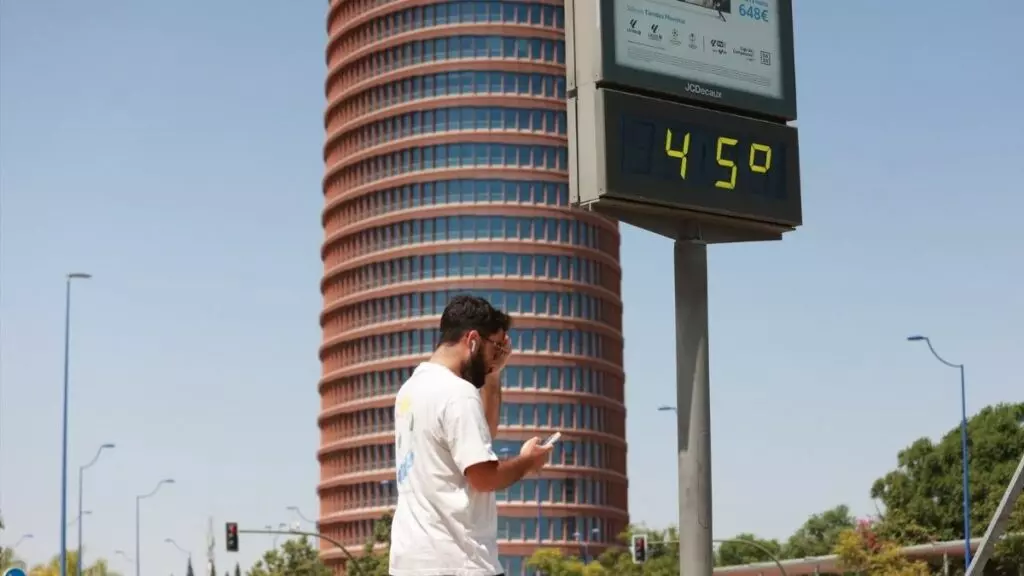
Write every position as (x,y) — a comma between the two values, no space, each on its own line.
(446,416)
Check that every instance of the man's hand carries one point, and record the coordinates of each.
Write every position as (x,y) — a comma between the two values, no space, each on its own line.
(501,357)
(537,453)
(490,394)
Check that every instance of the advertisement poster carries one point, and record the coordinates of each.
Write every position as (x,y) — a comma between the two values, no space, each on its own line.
(709,43)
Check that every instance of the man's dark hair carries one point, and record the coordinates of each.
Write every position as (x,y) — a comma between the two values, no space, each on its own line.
(464,313)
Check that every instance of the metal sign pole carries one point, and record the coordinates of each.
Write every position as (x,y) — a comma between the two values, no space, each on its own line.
(693,401)
(999,521)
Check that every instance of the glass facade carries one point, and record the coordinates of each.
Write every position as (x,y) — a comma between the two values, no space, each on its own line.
(446,173)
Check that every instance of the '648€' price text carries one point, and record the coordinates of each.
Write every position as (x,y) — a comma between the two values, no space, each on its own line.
(754,12)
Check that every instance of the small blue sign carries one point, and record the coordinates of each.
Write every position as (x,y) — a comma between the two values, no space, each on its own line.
(15,572)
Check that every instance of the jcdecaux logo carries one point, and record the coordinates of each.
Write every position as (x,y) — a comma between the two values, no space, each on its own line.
(754,12)
(698,89)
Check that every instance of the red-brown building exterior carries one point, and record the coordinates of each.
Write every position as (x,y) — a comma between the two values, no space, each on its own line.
(445,173)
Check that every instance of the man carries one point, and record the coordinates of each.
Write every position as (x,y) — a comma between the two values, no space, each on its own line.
(446,522)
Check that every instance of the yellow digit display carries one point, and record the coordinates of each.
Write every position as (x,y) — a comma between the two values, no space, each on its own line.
(729,184)
(680,154)
(766,164)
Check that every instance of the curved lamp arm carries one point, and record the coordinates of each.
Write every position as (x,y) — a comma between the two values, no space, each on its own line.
(928,341)
(157,489)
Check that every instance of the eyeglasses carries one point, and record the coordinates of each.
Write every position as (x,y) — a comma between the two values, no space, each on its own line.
(499,345)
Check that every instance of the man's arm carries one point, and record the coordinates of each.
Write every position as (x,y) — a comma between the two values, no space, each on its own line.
(465,429)
(490,395)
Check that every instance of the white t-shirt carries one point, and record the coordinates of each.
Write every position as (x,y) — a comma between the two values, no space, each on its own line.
(442,527)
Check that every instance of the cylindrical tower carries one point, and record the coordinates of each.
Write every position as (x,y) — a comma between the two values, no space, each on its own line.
(446,173)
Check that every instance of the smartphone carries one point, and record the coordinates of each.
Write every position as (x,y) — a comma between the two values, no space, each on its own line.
(550,440)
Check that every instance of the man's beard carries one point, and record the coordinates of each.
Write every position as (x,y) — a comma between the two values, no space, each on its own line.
(475,372)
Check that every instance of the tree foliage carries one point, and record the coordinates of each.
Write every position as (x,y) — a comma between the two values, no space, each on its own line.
(52,568)
(820,533)
(7,557)
(296,557)
(662,557)
(735,553)
(862,551)
(375,558)
(923,496)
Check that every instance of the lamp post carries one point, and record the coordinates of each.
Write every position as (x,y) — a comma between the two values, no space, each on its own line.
(81,475)
(64,439)
(138,500)
(78,519)
(22,539)
(180,549)
(123,555)
(585,544)
(965,465)
(300,514)
(281,527)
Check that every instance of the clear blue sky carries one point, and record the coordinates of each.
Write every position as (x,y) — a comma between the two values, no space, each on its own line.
(173,149)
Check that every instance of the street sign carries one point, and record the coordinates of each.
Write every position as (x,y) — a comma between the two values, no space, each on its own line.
(14,572)
(643,156)
(729,54)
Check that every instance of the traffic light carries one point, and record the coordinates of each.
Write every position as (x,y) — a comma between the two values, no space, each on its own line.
(232,537)
(639,548)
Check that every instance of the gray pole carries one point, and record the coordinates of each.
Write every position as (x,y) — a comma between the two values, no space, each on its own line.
(693,403)
(81,474)
(138,557)
(965,457)
(138,500)
(965,467)
(64,438)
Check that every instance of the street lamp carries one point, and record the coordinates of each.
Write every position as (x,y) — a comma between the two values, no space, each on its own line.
(667,409)
(138,500)
(963,445)
(123,555)
(596,532)
(300,514)
(78,519)
(282,527)
(81,475)
(64,440)
(22,539)
(180,549)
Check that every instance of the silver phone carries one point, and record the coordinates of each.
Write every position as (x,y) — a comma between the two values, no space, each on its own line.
(550,440)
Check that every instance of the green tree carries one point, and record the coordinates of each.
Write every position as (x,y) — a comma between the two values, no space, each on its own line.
(375,560)
(551,562)
(735,553)
(7,557)
(819,534)
(662,554)
(296,557)
(923,496)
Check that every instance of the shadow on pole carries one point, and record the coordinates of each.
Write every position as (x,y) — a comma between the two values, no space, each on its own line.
(352,559)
